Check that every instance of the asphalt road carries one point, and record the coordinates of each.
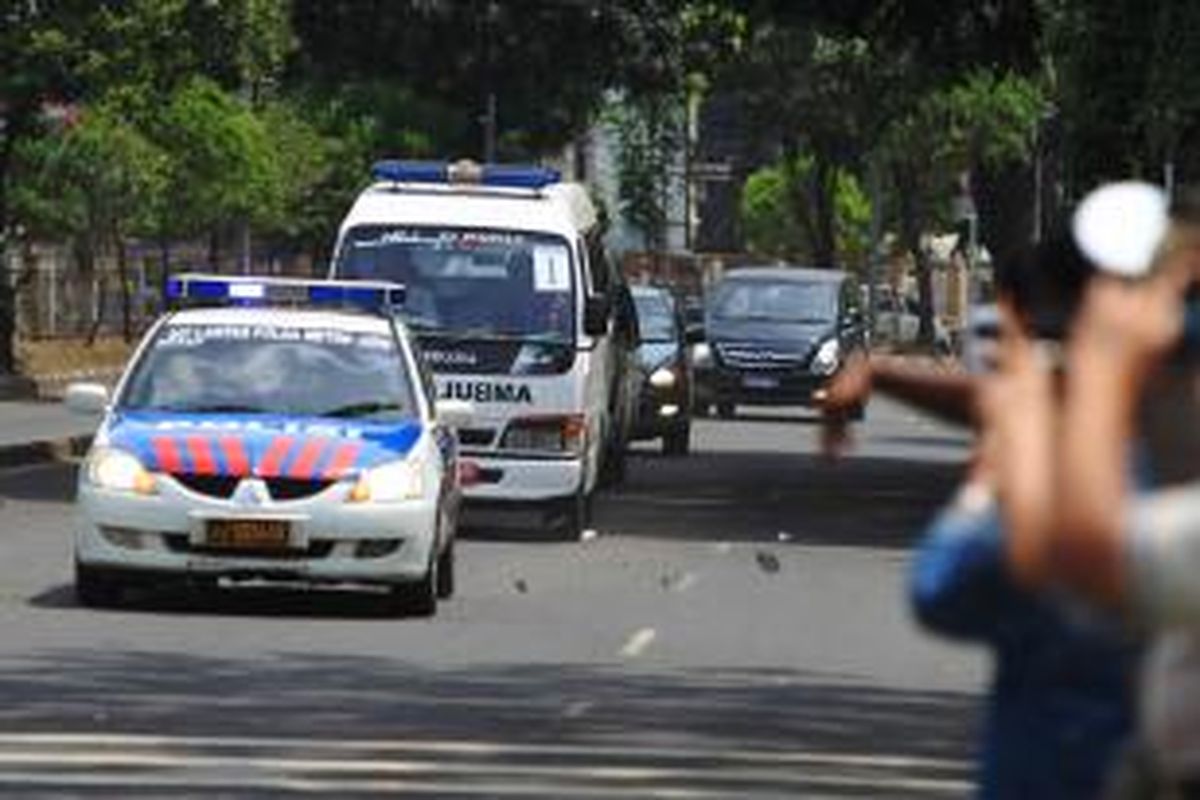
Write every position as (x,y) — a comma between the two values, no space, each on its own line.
(736,628)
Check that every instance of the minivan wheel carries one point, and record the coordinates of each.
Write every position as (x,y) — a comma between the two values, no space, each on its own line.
(677,442)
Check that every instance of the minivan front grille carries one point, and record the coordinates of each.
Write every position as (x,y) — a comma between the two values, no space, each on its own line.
(755,356)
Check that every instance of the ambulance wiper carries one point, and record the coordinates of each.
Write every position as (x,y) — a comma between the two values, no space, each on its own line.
(363,409)
(492,335)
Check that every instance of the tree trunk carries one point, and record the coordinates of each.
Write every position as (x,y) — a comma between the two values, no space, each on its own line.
(8,304)
(1004,199)
(824,180)
(911,222)
(123,277)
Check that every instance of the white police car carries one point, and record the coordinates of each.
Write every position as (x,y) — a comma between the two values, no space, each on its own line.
(266,437)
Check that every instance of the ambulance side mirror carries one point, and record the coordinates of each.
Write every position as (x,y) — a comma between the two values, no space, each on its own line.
(596,312)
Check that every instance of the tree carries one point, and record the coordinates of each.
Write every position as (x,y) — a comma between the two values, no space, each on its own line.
(773,227)
(93,183)
(131,53)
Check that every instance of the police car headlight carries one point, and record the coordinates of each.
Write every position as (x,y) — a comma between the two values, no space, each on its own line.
(702,354)
(827,359)
(390,483)
(118,471)
(662,378)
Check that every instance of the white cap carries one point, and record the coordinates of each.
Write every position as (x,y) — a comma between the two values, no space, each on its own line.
(1120,226)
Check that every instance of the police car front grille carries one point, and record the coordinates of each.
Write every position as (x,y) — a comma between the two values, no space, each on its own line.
(295,488)
(281,489)
(755,357)
(221,486)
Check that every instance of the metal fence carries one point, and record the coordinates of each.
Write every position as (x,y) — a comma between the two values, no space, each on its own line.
(56,298)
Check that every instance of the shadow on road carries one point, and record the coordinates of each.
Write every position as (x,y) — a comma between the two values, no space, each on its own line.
(46,483)
(756,496)
(693,721)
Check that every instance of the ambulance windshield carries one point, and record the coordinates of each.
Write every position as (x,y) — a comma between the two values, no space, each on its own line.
(473,282)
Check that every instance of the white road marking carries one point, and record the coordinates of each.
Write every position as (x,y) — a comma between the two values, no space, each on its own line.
(638,643)
(578,709)
(461,767)
(467,747)
(463,747)
(686,582)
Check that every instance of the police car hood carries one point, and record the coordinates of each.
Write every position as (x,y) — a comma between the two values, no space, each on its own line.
(306,448)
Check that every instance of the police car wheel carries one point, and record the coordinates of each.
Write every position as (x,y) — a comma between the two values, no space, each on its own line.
(445,573)
(726,410)
(96,588)
(419,598)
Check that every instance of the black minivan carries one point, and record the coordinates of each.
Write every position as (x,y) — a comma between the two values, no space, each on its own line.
(776,334)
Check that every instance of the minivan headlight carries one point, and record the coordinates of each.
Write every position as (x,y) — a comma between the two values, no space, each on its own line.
(663,378)
(828,358)
(119,471)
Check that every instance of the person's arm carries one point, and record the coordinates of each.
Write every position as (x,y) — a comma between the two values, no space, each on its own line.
(958,582)
(1123,331)
(947,395)
(1018,413)
(951,396)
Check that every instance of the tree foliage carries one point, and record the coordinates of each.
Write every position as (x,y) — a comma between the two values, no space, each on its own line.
(773,225)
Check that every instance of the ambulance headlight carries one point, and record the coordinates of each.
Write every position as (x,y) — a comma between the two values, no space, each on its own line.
(828,358)
(118,471)
(390,483)
(549,434)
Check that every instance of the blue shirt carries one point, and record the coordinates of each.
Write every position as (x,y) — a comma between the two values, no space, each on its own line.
(1060,703)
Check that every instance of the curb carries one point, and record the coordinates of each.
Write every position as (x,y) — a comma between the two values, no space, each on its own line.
(45,451)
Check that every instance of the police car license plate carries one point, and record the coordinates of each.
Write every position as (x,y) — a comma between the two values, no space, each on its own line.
(760,381)
(248,534)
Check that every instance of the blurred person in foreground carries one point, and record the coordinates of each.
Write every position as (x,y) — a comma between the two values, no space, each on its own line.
(1133,392)
(1059,705)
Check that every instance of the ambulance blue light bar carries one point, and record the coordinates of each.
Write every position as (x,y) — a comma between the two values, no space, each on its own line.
(502,176)
(198,289)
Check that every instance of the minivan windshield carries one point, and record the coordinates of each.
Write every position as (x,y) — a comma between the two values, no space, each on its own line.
(776,301)
(473,282)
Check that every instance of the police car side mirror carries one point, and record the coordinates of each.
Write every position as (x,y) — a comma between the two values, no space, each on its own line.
(86,399)
(596,311)
(454,413)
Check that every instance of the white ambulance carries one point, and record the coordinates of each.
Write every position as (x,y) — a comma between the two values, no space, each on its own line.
(518,310)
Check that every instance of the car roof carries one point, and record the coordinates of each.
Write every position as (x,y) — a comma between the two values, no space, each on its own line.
(563,209)
(785,273)
(650,290)
(303,318)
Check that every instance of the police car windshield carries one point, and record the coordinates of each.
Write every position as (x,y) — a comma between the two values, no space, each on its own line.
(776,301)
(256,369)
(473,283)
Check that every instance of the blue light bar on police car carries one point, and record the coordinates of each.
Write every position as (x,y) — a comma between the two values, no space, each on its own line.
(503,176)
(245,290)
